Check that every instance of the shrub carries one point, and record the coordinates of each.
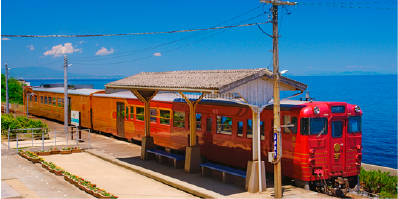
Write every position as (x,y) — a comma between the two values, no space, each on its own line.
(21,122)
(379,182)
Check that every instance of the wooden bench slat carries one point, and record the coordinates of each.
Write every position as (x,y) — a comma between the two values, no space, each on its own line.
(224,169)
(166,154)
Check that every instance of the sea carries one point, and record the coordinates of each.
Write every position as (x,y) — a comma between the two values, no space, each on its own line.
(375,94)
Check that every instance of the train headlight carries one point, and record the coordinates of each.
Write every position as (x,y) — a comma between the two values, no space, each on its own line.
(357,108)
(316,110)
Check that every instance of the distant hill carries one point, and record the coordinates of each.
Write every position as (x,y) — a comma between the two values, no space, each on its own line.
(49,73)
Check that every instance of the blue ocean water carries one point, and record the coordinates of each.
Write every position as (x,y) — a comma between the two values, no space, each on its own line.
(376,95)
(98,83)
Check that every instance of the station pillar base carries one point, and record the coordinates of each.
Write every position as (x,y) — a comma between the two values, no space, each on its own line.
(192,159)
(147,143)
(252,184)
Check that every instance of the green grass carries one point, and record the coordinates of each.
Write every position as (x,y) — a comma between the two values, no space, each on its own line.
(381,183)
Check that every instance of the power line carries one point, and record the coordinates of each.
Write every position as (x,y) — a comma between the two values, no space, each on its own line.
(130,34)
(339,5)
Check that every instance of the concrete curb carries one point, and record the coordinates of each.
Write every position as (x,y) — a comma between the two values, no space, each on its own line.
(143,172)
(370,167)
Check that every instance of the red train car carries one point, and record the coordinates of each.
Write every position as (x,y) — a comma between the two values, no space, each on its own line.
(326,138)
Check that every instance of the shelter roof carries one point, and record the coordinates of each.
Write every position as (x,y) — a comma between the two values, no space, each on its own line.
(198,80)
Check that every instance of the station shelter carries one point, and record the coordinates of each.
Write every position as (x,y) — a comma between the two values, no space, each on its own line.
(251,87)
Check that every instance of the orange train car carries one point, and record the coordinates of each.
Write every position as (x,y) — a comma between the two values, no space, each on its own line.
(326,138)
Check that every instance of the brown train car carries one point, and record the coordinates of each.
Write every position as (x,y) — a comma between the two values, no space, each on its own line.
(49,103)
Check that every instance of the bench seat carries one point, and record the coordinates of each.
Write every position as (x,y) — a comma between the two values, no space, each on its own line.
(227,172)
(163,156)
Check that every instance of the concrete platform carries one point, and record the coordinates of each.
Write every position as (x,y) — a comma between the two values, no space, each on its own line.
(8,192)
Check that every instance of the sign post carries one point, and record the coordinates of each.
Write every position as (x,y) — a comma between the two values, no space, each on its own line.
(75,120)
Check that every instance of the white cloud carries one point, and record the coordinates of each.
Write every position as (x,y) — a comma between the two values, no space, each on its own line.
(60,49)
(157,54)
(104,51)
(80,42)
(5,38)
(77,50)
(96,44)
(31,47)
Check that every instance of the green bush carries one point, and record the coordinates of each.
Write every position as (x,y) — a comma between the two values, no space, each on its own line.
(21,122)
(380,183)
(15,92)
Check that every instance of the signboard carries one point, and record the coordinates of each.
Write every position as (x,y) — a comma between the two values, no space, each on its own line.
(275,144)
(74,119)
(338,109)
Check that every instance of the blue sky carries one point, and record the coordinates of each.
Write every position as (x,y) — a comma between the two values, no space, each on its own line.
(313,38)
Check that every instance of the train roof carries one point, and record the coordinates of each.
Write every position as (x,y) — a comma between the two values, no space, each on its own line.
(83,91)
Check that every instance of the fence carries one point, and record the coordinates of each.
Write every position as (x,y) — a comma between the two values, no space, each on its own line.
(63,136)
(14,107)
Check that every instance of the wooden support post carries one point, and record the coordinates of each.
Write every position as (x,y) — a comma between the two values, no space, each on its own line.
(147,141)
(192,156)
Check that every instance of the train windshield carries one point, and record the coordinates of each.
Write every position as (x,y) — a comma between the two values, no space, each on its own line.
(314,126)
(354,124)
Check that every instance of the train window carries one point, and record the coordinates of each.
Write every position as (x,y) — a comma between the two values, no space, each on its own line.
(165,117)
(179,119)
(240,128)
(337,129)
(249,129)
(118,112)
(286,121)
(224,125)
(294,122)
(262,129)
(45,100)
(35,98)
(198,122)
(354,124)
(49,101)
(62,104)
(140,113)
(54,101)
(41,99)
(127,112)
(30,98)
(59,102)
(131,112)
(208,124)
(314,126)
(153,115)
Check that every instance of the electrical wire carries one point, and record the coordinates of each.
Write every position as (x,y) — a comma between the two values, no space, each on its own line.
(357,3)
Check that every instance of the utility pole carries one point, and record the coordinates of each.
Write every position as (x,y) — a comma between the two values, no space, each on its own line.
(7,103)
(66,101)
(276,76)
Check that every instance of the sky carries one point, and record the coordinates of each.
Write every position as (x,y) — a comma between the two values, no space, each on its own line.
(312,38)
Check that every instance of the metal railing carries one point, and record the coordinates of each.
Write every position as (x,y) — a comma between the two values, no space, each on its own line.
(22,136)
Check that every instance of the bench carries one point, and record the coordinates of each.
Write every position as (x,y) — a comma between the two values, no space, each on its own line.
(227,172)
(163,157)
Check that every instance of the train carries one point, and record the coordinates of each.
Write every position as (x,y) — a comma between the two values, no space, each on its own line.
(323,142)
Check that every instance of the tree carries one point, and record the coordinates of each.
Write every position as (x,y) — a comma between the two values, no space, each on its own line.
(15,92)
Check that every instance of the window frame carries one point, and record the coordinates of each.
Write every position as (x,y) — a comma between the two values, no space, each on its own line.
(309,123)
(222,131)
(342,128)
(183,120)
(209,123)
(237,128)
(165,118)
(247,129)
(360,124)
(139,115)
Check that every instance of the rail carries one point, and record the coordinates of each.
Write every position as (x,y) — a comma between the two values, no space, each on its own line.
(21,137)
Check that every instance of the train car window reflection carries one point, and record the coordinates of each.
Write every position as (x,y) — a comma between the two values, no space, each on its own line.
(165,117)
(45,100)
(313,126)
(208,124)
(127,112)
(337,129)
(198,122)
(140,113)
(240,128)
(41,99)
(224,125)
(262,126)
(354,124)
(62,105)
(54,101)
(118,112)
(179,119)
(249,129)
(35,98)
(49,100)
(59,102)
(294,122)
(286,121)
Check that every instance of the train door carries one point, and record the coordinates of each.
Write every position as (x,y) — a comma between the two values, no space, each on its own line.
(120,114)
(337,146)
